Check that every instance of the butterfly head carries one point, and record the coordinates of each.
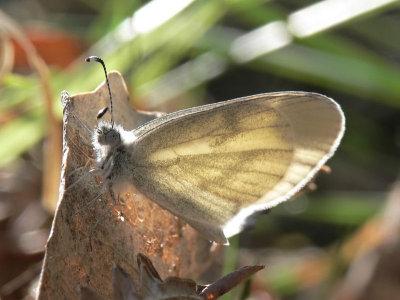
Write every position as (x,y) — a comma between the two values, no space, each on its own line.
(106,135)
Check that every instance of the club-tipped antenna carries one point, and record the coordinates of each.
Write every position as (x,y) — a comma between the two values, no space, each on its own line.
(98,59)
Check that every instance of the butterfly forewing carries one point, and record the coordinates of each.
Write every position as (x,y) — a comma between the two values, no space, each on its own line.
(215,165)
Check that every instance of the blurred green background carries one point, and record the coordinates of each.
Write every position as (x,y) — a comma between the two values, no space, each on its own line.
(182,53)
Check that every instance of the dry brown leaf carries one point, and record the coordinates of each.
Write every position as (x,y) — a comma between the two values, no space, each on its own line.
(228,282)
(140,226)
(153,287)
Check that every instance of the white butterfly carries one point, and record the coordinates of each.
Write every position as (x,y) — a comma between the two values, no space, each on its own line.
(216,165)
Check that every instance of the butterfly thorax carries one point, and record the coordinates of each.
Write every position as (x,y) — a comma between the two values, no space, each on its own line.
(110,151)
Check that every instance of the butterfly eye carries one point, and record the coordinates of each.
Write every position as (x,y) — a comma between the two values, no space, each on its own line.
(102,112)
(99,131)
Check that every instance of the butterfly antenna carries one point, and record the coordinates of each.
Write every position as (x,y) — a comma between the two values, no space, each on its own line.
(98,59)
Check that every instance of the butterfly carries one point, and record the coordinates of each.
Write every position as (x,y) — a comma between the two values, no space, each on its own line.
(217,165)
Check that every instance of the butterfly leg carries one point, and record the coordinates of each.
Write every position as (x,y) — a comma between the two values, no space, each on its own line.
(80,178)
(86,166)
(118,200)
(83,124)
(113,195)
(83,138)
(83,141)
(91,202)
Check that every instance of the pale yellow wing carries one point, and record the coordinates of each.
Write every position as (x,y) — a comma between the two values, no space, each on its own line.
(216,165)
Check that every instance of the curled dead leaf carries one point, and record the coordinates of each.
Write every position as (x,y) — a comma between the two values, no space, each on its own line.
(152,287)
